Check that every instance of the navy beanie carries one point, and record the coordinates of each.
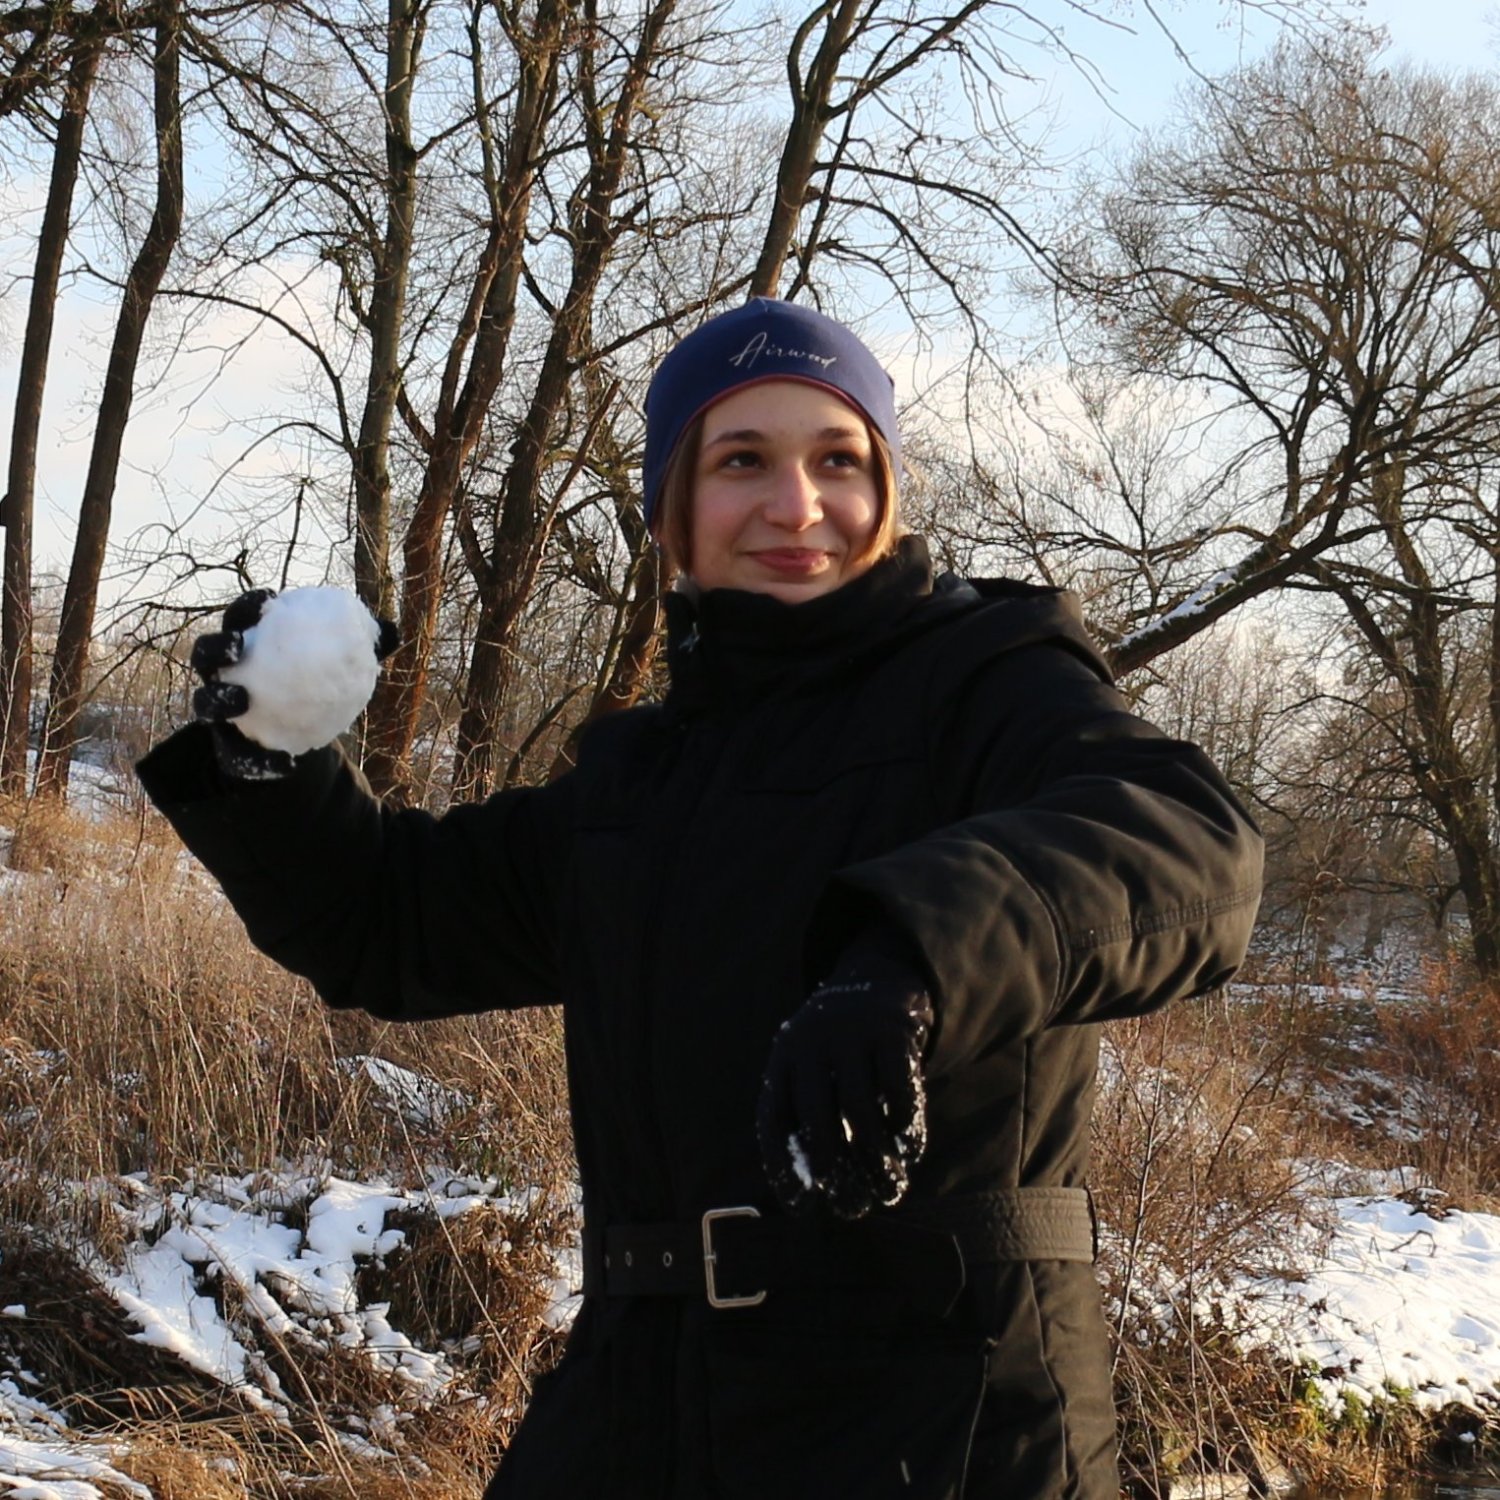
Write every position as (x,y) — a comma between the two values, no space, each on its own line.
(764,340)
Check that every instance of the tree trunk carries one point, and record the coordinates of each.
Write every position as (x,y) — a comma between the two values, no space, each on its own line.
(1492,699)
(464,402)
(631,662)
(372,480)
(526,517)
(490,673)
(1479,881)
(16,512)
(510,570)
(76,629)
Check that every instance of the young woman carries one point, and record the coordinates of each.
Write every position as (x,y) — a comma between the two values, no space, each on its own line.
(830,927)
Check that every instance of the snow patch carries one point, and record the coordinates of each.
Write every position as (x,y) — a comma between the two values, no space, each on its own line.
(1396,1302)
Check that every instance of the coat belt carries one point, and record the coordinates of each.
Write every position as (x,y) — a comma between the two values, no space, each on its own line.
(734,1257)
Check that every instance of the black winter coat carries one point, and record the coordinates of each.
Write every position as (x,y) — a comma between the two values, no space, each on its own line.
(945,764)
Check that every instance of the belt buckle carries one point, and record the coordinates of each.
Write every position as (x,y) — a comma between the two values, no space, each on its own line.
(710,1258)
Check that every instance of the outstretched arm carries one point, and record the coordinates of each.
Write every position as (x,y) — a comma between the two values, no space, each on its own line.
(1093,867)
(394,911)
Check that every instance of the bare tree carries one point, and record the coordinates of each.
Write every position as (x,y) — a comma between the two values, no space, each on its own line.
(41,47)
(496,217)
(1317,254)
(390,264)
(16,508)
(76,629)
(845,54)
(507,570)
(473,367)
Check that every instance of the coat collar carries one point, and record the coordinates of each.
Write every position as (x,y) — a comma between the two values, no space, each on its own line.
(727,644)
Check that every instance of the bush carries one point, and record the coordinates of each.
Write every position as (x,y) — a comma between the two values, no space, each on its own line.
(1444,1046)
(1196,1130)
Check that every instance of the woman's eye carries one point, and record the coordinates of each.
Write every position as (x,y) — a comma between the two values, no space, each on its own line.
(745,458)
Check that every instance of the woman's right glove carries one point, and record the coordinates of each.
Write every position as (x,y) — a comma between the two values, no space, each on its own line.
(286,674)
(843,1114)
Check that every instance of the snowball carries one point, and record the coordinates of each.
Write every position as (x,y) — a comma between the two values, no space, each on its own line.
(309,667)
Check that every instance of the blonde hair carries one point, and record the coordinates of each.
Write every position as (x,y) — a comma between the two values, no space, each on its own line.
(673,519)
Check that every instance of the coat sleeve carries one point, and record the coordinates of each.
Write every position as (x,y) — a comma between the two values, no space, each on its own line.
(1085,866)
(403,914)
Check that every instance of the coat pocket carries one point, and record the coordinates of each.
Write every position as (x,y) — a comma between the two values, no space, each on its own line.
(805,1421)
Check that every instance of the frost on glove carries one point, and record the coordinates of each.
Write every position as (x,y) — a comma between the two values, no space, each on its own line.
(286,674)
(842,1115)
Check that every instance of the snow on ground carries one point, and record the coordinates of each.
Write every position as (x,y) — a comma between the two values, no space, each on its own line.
(40,1461)
(1398,1299)
(297,1284)
(422,1102)
(95,790)
(288,1246)
(1395,1294)
(44,1471)
(100,791)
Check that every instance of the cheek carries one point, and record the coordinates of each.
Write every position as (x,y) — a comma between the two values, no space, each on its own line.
(861,518)
(716,519)
(710,539)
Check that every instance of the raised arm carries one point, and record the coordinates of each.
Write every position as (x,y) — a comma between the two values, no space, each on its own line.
(398,912)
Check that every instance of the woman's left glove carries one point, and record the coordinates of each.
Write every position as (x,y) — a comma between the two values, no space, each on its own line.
(842,1117)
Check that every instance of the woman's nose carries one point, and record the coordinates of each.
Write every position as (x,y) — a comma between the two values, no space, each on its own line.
(795,500)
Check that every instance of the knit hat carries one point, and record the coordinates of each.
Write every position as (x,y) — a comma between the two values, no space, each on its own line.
(766,339)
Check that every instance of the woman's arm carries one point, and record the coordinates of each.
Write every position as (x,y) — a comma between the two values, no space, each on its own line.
(398,912)
(1095,868)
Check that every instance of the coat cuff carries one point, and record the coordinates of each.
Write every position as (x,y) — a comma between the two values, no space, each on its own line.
(991,983)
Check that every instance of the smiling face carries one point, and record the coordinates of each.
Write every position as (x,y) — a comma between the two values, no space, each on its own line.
(786,498)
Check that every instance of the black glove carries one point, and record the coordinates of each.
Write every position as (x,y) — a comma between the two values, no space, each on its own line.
(217,703)
(842,1114)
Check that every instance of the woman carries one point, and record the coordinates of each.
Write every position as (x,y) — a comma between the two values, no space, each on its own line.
(829,926)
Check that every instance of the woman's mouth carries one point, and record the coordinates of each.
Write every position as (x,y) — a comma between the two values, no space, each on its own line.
(794,560)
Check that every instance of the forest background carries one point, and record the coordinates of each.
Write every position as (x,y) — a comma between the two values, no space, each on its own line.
(384,285)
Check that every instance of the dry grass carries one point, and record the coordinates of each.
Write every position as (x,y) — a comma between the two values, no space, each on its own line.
(141,1034)
(1205,1112)
(1444,1046)
(1193,1134)
(140,1031)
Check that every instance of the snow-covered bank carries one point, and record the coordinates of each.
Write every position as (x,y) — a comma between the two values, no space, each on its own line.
(1395,1301)
(222,1270)
(272,1329)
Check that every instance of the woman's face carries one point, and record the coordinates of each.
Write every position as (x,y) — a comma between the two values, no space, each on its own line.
(785,495)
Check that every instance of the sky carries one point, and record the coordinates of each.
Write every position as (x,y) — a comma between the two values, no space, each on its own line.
(174,449)
(1140,73)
